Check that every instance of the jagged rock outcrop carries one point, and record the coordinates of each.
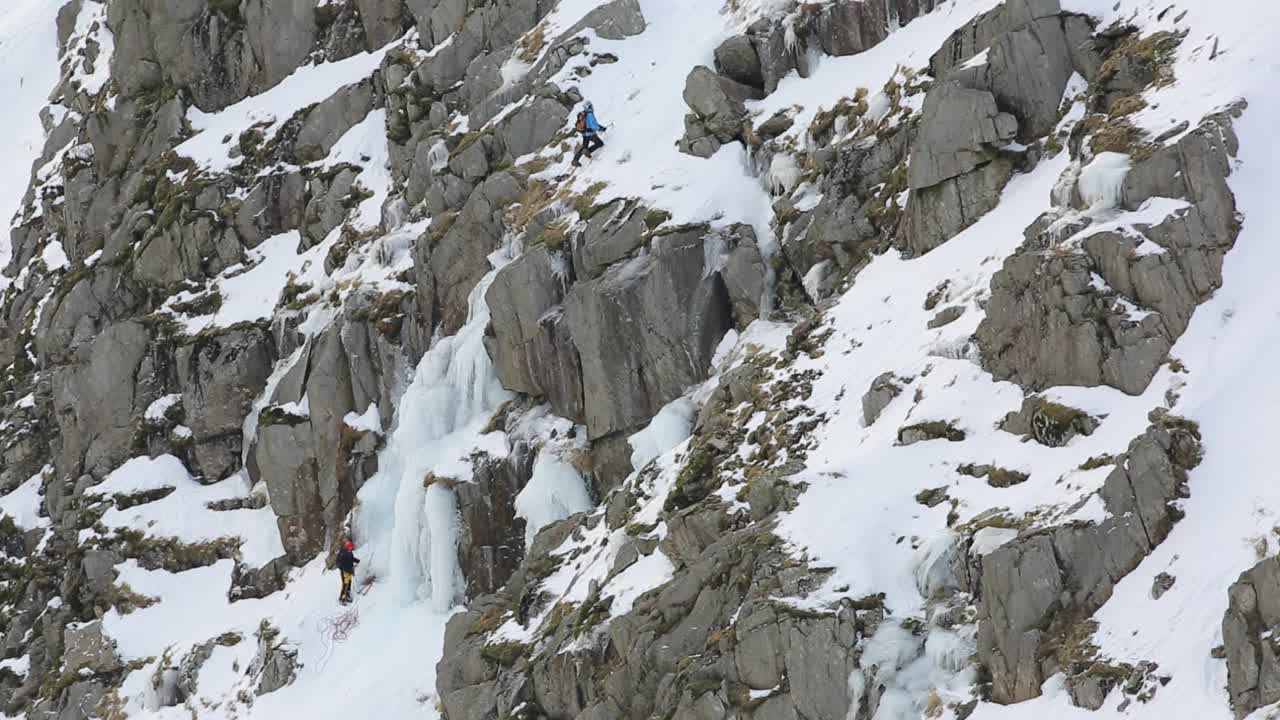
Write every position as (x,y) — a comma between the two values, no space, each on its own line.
(1001,76)
(149,234)
(958,129)
(612,233)
(750,65)
(1049,322)
(276,663)
(221,374)
(654,319)
(1036,588)
(449,267)
(307,448)
(956,172)
(1013,34)
(848,225)
(604,312)
(95,411)
(219,53)
(758,644)
(1253,669)
(848,27)
(746,277)
(491,545)
(532,349)
(763,55)
(613,328)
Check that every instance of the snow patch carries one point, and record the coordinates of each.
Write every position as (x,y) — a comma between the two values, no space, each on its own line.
(269,110)
(368,421)
(554,492)
(670,427)
(23,502)
(160,406)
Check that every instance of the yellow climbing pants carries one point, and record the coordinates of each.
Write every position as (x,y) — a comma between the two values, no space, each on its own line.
(346,586)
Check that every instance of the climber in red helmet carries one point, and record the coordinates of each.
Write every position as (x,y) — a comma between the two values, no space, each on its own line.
(347,562)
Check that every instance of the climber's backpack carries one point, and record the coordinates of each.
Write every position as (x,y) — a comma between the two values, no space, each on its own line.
(581,125)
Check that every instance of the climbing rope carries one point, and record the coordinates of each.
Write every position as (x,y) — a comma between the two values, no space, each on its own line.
(336,629)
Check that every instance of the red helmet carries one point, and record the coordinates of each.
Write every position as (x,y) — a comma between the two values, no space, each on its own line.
(350,545)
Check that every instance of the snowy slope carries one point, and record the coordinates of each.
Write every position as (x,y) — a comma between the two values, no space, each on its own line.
(28,42)
(1230,387)
(858,513)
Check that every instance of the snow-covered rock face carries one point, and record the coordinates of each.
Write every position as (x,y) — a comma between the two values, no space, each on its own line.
(892,359)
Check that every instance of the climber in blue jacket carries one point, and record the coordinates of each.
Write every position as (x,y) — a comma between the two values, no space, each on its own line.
(589,128)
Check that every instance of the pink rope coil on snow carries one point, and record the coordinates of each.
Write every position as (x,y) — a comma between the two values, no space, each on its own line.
(336,629)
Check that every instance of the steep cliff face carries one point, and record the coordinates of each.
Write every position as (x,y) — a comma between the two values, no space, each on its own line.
(893,359)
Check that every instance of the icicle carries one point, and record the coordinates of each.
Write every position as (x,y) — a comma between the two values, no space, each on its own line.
(1102,180)
(411,529)
(715,254)
(784,174)
(438,156)
(440,509)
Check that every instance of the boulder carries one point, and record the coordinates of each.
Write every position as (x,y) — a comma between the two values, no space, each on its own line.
(286,459)
(613,233)
(1027,69)
(883,390)
(1048,423)
(937,213)
(848,27)
(646,330)
(220,54)
(533,126)
(383,20)
(88,647)
(737,60)
(330,398)
(303,449)
(718,102)
(981,103)
(958,129)
(613,20)
(326,122)
(744,272)
(946,316)
(778,55)
(255,583)
(1253,661)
